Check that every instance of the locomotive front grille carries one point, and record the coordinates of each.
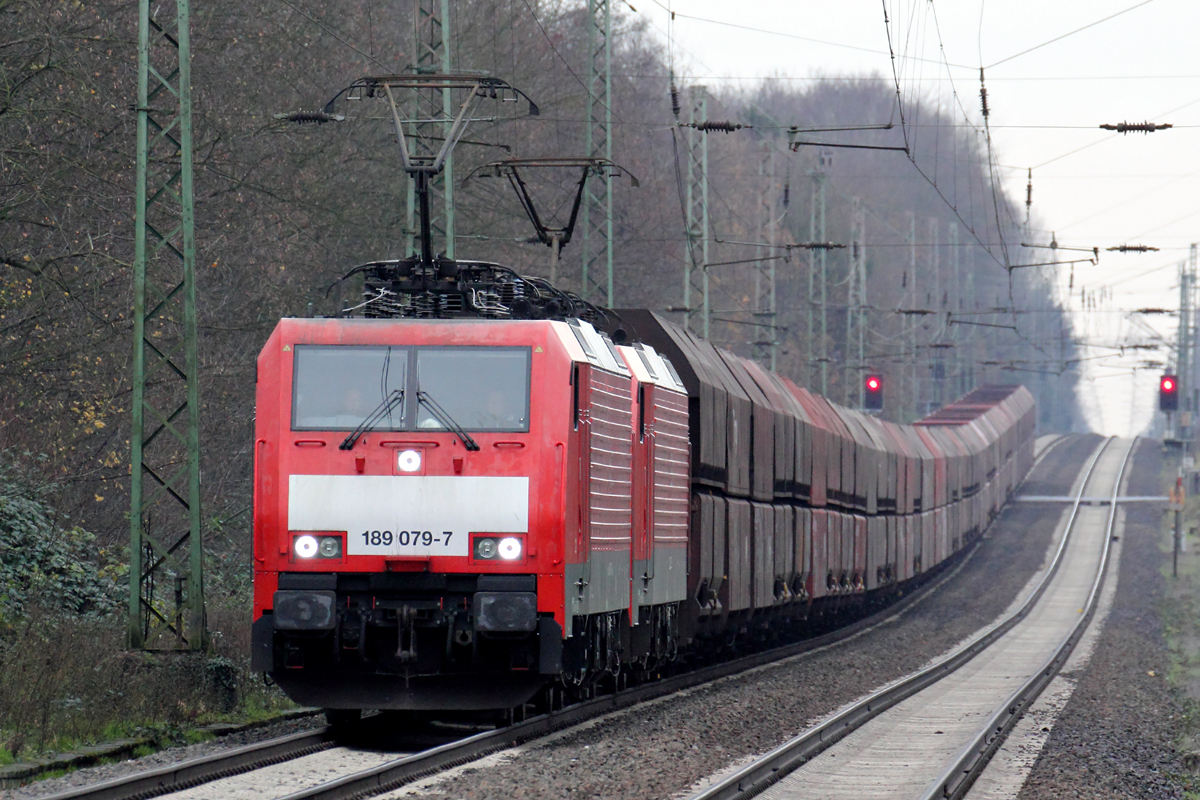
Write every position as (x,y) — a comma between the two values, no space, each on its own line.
(415,623)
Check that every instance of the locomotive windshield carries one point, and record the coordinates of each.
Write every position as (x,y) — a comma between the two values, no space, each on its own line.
(337,388)
(480,388)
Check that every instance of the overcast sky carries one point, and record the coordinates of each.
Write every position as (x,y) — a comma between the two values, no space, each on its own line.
(1046,104)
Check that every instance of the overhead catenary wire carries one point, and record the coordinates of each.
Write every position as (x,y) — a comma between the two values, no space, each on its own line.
(334,33)
(997,207)
(982,241)
(1069,33)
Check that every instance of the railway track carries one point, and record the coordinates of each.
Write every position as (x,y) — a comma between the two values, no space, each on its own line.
(397,769)
(881,745)
(311,756)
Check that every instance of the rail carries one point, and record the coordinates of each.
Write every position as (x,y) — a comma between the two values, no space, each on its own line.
(957,779)
(186,774)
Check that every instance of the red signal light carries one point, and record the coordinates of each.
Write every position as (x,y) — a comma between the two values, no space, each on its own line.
(873,401)
(1168,393)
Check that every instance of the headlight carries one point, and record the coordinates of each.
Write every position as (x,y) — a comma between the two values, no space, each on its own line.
(330,547)
(306,546)
(485,548)
(409,461)
(510,548)
(310,546)
(304,610)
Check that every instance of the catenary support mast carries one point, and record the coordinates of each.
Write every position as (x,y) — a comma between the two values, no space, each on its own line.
(937,364)
(1183,343)
(856,310)
(596,282)
(817,282)
(914,387)
(766,344)
(696,201)
(166,578)
(431,112)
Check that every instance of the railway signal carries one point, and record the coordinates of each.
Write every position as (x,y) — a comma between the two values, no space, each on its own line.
(1168,393)
(873,394)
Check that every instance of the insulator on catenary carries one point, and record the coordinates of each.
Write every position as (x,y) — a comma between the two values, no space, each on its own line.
(1133,248)
(1135,127)
(724,126)
(675,107)
(983,94)
(316,117)
(787,193)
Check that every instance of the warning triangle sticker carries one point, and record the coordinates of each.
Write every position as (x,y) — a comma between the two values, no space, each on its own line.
(537,349)
(287,348)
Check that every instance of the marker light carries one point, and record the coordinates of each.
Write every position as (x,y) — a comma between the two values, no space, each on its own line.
(306,546)
(485,548)
(510,548)
(409,461)
(330,547)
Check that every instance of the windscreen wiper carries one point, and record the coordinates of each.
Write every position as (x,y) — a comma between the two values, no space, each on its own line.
(383,409)
(446,420)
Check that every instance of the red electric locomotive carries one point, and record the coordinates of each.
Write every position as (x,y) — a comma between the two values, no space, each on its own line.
(456,513)
(441,504)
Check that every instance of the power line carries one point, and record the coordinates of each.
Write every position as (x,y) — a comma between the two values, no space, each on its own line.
(1112,136)
(912,157)
(885,79)
(550,42)
(1071,33)
(323,26)
(783,34)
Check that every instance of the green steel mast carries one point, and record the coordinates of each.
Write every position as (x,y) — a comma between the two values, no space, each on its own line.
(597,211)
(166,578)
(696,203)
(431,114)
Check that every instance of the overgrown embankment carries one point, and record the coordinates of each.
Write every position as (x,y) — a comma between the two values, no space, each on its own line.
(1180,614)
(66,677)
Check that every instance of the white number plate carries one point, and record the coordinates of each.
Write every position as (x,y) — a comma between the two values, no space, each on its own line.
(407,543)
(402,516)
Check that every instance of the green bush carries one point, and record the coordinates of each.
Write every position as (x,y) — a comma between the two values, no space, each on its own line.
(44,561)
(66,675)
(69,680)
